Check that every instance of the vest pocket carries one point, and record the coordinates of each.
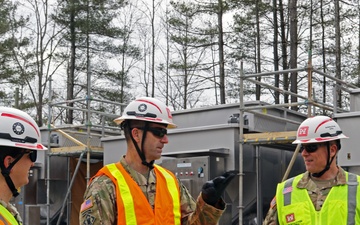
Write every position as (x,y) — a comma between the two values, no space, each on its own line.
(335,212)
(295,214)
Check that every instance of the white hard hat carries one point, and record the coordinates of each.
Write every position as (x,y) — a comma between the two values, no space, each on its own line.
(19,130)
(318,129)
(149,110)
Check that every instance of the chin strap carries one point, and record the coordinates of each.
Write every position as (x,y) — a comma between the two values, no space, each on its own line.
(329,161)
(6,173)
(141,153)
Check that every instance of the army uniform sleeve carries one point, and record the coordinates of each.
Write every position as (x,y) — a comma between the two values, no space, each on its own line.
(271,216)
(99,206)
(198,213)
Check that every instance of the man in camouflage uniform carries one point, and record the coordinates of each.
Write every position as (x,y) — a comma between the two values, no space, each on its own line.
(301,200)
(144,122)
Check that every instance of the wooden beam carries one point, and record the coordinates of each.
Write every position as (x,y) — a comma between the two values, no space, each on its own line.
(75,149)
(284,136)
(69,137)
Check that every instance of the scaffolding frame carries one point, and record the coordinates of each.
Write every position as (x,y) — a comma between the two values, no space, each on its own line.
(79,149)
(258,139)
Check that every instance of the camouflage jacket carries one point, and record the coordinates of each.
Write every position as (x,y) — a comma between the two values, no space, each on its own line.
(99,207)
(318,190)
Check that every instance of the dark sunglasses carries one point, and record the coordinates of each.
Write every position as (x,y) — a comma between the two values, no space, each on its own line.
(310,148)
(157,131)
(32,155)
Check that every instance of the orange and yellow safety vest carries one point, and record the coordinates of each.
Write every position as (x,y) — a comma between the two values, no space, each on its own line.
(133,207)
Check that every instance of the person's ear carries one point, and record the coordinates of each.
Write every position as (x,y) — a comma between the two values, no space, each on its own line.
(136,134)
(7,161)
(333,149)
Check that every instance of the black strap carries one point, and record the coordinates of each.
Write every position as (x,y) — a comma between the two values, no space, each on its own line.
(141,151)
(328,163)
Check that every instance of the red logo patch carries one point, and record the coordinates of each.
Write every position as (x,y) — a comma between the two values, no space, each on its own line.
(290,218)
(303,131)
(168,113)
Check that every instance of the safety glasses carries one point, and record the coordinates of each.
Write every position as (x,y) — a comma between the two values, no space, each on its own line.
(310,148)
(32,155)
(157,131)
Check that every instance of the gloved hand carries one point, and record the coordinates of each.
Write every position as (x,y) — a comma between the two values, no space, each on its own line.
(213,189)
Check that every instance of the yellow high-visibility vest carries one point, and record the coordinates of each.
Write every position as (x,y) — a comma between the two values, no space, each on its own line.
(6,217)
(132,205)
(341,206)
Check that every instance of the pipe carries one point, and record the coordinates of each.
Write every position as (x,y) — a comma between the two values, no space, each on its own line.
(69,188)
(47,161)
(292,161)
(259,203)
(274,72)
(241,148)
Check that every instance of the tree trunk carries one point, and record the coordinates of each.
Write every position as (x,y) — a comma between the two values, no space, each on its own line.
(221,54)
(71,73)
(153,49)
(284,50)
(257,88)
(337,50)
(293,48)
(323,50)
(276,53)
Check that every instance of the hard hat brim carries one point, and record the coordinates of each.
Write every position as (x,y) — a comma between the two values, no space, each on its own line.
(121,119)
(320,139)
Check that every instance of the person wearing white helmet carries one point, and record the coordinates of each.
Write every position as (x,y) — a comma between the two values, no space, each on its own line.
(325,193)
(20,140)
(136,190)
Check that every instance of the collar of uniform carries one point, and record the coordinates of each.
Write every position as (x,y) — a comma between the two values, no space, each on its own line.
(13,210)
(139,178)
(305,180)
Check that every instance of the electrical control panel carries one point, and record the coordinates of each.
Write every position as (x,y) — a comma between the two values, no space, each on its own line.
(193,172)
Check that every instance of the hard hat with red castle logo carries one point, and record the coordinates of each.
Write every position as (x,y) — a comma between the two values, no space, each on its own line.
(318,129)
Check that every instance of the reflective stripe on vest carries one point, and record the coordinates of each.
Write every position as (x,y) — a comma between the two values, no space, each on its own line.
(352,191)
(136,210)
(125,194)
(6,217)
(338,208)
(171,184)
(287,192)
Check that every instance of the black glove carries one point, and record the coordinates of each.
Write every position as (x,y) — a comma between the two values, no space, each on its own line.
(213,189)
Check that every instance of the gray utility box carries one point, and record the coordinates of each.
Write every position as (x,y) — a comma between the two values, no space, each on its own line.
(349,155)
(355,100)
(193,172)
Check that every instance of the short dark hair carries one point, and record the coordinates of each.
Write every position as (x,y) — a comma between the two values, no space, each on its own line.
(128,125)
(338,144)
(11,151)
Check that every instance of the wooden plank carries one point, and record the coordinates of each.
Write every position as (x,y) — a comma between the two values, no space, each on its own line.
(70,137)
(75,149)
(270,136)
